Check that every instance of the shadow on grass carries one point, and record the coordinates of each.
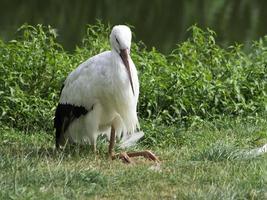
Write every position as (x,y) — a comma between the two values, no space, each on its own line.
(40,151)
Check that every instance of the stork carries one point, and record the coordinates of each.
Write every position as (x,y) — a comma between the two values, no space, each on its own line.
(99,96)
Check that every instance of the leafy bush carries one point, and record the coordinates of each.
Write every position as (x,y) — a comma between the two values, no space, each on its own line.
(198,80)
(32,67)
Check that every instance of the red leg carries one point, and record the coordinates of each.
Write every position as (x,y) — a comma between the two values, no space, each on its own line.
(111,142)
(147,154)
(126,156)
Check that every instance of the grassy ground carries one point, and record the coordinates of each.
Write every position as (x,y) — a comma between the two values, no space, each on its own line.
(206,162)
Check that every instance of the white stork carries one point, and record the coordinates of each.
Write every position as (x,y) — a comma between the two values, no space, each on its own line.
(101,95)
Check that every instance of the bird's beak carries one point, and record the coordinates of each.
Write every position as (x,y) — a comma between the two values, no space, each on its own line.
(124,57)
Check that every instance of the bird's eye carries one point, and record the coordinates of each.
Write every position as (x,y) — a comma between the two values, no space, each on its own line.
(117,41)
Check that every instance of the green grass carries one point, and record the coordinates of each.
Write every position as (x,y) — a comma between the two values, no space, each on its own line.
(205,161)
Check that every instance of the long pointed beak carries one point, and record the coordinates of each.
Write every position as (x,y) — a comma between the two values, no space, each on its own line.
(124,57)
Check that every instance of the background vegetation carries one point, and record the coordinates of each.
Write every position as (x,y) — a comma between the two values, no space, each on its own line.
(199,80)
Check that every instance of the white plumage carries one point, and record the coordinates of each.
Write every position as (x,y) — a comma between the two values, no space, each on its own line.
(103,86)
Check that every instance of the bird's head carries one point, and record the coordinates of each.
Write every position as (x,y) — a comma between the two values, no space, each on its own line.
(120,38)
(120,41)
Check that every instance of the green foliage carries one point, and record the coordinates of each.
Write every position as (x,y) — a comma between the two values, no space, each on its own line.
(31,67)
(198,80)
(201,79)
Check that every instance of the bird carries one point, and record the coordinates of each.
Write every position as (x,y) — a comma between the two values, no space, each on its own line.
(101,96)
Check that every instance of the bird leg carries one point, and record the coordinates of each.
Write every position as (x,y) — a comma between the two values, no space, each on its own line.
(126,157)
(94,147)
(111,142)
(123,156)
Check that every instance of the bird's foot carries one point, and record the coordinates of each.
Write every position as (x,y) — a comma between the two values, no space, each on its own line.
(123,156)
(146,154)
(126,157)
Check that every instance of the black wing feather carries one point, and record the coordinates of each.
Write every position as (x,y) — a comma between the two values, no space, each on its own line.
(64,116)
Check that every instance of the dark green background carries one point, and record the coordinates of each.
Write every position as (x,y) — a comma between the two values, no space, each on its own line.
(159,23)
